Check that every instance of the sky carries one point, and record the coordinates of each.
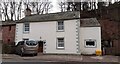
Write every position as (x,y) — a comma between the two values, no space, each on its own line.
(55,7)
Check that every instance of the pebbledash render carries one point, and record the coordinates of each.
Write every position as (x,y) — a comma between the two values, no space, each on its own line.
(61,33)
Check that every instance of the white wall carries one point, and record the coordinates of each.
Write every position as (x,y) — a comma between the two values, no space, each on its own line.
(90,33)
(47,31)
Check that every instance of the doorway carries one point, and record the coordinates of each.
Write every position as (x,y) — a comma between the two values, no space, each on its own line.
(40,46)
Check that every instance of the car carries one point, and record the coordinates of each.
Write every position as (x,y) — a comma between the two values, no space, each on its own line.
(27,47)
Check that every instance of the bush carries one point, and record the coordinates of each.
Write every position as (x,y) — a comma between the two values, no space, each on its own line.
(8,49)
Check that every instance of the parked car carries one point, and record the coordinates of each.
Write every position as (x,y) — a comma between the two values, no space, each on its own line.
(27,47)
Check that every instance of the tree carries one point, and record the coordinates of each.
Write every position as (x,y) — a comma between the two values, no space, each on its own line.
(62,5)
(39,7)
(19,10)
(4,9)
(74,6)
(14,10)
(85,6)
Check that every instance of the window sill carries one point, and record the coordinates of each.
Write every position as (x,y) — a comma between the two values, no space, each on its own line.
(60,48)
(60,30)
(25,32)
(90,46)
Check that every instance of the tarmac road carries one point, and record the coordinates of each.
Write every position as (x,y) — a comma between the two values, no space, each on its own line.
(60,63)
(59,59)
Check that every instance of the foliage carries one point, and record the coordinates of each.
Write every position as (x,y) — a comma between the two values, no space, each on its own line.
(8,49)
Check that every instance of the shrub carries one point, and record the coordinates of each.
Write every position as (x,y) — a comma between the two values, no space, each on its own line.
(8,49)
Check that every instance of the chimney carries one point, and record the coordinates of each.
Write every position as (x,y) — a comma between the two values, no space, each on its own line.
(27,11)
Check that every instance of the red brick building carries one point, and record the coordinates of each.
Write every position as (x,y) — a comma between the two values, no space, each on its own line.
(110,36)
(111,29)
(8,32)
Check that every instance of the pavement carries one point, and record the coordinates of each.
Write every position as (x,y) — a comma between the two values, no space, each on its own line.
(59,58)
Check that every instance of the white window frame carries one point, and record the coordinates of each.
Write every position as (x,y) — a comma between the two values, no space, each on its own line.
(24,27)
(60,43)
(95,42)
(60,26)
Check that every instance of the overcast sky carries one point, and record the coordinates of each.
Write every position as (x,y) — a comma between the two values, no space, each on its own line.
(55,7)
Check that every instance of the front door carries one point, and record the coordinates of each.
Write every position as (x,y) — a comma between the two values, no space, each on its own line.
(40,46)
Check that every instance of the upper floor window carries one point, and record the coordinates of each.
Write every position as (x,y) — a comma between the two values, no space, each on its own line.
(60,26)
(26,27)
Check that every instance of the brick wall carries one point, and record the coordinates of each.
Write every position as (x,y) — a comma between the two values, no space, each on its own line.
(110,31)
(8,34)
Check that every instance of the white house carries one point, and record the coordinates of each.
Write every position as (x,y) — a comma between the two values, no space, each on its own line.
(63,32)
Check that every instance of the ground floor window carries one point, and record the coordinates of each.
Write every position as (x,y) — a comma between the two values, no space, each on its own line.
(90,43)
(60,43)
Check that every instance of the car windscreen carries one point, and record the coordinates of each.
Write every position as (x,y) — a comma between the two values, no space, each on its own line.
(31,43)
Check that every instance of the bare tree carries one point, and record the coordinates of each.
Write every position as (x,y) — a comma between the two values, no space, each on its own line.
(19,10)
(39,7)
(0,12)
(73,5)
(5,10)
(63,5)
(12,10)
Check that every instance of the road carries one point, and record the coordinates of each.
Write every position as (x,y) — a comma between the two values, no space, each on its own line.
(60,63)
(59,59)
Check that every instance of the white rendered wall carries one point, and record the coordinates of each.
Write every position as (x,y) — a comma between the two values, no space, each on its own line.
(47,31)
(90,33)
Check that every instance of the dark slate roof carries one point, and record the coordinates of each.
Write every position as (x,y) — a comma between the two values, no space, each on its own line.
(52,17)
(8,23)
(89,22)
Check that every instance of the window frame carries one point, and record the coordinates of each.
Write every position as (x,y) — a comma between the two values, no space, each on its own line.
(95,42)
(24,27)
(60,30)
(25,39)
(57,45)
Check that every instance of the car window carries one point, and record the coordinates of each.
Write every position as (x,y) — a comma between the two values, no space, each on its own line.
(31,43)
(20,43)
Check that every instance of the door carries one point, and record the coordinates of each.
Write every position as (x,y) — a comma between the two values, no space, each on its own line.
(40,46)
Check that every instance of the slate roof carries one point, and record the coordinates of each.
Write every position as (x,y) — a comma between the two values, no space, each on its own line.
(8,23)
(89,22)
(52,17)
